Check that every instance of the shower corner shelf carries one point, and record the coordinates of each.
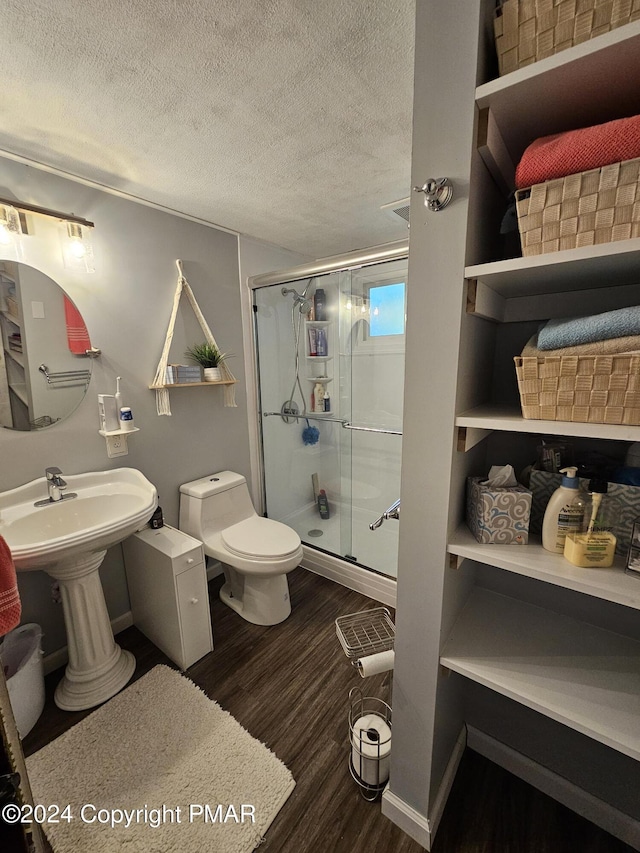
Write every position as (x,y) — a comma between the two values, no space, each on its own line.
(366,633)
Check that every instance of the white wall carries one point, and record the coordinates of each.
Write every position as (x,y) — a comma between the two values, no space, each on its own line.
(126,304)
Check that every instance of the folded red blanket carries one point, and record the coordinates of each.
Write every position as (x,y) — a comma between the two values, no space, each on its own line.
(10,607)
(574,151)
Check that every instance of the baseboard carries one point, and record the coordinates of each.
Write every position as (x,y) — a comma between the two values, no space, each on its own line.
(61,656)
(603,814)
(414,823)
(347,574)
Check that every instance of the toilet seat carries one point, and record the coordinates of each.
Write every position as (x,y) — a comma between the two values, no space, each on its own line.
(261,538)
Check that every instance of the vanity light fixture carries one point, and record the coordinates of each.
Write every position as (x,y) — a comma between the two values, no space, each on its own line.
(77,250)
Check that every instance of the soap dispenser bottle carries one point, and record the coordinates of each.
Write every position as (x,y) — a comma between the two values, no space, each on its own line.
(564,513)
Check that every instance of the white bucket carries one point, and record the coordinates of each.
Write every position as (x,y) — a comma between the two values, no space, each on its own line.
(21,658)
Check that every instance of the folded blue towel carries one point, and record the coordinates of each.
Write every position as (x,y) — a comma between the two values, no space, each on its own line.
(584,330)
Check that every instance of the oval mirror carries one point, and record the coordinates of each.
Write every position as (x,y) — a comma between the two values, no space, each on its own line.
(44,370)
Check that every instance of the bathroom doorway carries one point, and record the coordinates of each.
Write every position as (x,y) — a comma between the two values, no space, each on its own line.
(330,352)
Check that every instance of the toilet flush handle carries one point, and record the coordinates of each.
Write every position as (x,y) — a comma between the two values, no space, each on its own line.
(194,601)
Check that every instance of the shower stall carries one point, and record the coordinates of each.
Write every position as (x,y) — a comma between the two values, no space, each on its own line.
(330,354)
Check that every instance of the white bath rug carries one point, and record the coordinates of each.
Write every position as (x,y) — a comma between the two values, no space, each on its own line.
(160,768)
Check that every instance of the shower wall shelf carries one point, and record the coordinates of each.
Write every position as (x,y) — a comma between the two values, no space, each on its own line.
(192,384)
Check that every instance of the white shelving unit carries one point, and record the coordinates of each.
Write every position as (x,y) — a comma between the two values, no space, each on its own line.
(18,407)
(579,675)
(540,649)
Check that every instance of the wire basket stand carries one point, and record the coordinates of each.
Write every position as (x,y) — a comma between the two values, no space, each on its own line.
(361,634)
(366,633)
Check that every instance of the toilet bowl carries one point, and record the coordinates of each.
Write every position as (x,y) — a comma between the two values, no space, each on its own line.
(256,553)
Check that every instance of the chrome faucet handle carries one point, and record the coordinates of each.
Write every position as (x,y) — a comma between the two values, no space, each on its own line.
(392,512)
(52,472)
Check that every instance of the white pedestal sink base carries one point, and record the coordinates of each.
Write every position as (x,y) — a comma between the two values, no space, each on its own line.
(98,668)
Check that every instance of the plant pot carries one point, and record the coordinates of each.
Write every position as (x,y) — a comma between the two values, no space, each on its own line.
(212,374)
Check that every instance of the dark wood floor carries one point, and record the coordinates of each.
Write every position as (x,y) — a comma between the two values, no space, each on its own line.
(288,686)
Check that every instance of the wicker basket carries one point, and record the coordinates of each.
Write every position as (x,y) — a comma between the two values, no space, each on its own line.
(584,389)
(528,30)
(598,206)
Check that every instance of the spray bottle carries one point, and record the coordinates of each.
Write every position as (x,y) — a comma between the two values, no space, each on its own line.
(564,513)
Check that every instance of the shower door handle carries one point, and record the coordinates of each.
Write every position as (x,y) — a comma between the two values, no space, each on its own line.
(392,512)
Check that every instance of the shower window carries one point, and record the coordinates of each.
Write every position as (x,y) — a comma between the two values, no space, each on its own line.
(352,449)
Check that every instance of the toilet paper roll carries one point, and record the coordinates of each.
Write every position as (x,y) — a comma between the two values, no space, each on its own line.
(374,664)
(370,749)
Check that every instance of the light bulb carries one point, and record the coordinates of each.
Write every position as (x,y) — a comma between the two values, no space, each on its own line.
(77,248)
(348,306)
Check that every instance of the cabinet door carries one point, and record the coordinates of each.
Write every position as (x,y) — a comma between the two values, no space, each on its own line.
(195,620)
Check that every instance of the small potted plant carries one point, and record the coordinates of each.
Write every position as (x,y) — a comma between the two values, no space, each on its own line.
(209,357)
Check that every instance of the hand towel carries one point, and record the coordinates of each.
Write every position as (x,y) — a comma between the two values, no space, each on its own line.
(10,607)
(77,334)
(613,346)
(574,151)
(583,330)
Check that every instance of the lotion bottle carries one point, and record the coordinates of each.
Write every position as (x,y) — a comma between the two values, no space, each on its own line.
(564,513)
(596,546)
(318,397)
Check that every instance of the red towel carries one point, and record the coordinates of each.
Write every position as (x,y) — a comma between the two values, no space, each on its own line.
(578,151)
(10,607)
(77,334)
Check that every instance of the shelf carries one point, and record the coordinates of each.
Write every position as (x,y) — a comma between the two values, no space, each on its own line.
(318,323)
(569,270)
(322,379)
(579,675)
(21,392)
(568,90)
(319,357)
(192,384)
(15,356)
(509,419)
(11,318)
(533,561)
(107,433)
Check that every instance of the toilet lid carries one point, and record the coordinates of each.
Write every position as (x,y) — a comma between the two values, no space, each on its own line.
(261,537)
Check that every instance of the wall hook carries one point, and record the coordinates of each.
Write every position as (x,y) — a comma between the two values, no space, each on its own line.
(438,192)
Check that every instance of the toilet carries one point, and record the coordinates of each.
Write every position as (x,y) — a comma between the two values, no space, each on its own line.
(256,553)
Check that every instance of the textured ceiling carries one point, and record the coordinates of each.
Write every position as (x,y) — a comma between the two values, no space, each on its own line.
(288,120)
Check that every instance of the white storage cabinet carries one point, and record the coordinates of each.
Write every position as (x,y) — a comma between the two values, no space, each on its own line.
(168,591)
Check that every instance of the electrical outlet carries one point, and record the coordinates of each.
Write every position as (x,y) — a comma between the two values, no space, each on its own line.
(117,446)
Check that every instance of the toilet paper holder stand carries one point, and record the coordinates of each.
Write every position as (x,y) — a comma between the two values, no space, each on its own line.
(370,740)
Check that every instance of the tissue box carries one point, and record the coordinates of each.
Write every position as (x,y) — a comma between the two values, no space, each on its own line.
(496,515)
(624,499)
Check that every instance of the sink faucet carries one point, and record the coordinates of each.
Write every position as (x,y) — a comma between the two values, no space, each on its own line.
(55,483)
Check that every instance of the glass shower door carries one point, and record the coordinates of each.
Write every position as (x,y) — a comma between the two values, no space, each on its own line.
(331,387)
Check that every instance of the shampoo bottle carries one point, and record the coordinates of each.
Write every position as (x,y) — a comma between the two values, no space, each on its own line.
(318,397)
(564,513)
(323,504)
(596,545)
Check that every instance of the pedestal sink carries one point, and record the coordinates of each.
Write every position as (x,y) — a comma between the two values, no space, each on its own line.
(68,539)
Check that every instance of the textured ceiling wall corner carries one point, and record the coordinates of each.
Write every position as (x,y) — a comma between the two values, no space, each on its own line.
(289,121)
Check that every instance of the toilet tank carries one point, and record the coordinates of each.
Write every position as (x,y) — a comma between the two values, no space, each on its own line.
(214,502)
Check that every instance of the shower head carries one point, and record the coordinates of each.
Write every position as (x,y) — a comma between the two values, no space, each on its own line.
(299,299)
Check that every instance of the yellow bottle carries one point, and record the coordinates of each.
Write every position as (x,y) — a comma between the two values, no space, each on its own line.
(596,547)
